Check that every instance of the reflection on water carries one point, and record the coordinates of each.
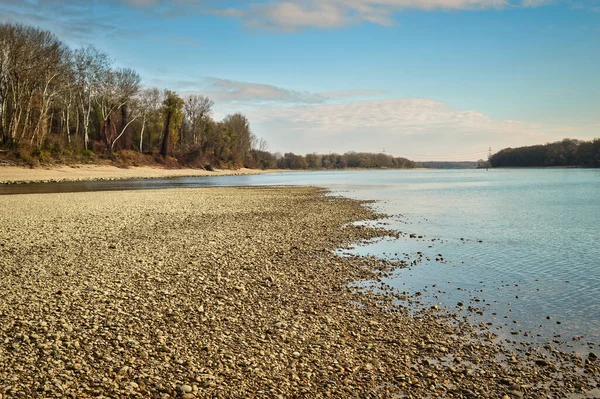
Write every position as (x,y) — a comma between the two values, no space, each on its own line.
(520,244)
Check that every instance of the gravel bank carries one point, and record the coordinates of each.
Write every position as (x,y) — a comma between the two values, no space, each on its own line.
(230,292)
(21,175)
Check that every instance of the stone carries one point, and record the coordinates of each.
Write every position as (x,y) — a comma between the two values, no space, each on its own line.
(185,388)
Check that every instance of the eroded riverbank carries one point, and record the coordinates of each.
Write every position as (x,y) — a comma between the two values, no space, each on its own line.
(229,292)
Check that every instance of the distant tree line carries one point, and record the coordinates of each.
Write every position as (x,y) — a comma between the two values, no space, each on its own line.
(449,164)
(72,105)
(339,161)
(568,152)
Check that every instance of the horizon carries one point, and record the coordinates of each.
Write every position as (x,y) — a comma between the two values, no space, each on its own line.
(436,80)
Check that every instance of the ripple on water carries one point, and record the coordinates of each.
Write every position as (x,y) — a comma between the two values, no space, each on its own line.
(529,248)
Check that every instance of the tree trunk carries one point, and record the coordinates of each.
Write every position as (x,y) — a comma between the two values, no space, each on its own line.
(142,134)
(105,133)
(86,121)
(164,150)
(127,139)
(122,133)
(67,125)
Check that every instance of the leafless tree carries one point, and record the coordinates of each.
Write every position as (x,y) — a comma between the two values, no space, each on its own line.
(196,110)
(149,103)
(31,61)
(117,88)
(91,66)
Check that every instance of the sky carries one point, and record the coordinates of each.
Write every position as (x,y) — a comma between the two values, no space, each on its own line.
(422,79)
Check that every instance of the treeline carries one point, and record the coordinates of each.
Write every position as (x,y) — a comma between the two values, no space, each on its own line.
(568,152)
(60,104)
(338,161)
(449,164)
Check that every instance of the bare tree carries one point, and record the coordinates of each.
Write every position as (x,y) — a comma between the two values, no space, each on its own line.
(262,145)
(117,88)
(196,110)
(49,91)
(149,103)
(31,61)
(91,66)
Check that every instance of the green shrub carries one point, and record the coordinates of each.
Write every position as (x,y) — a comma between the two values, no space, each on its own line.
(88,155)
(44,156)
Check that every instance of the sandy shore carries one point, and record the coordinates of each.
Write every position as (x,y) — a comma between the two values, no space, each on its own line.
(16,174)
(230,292)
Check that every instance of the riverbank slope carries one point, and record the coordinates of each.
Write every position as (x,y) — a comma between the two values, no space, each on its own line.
(228,292)
(18,174)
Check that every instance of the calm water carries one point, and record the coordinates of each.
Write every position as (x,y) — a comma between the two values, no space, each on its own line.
(523,244)
(520,244)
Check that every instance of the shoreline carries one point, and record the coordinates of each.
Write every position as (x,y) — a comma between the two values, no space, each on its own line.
(231,292)
(96,172)
(24,175)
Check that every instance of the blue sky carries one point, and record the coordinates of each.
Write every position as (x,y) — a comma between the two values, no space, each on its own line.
(426,79)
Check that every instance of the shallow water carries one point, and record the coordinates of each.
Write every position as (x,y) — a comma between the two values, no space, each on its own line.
(520,244)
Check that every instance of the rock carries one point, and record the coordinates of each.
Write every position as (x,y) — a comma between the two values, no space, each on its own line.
(185,388)
(542,362)
(516,394)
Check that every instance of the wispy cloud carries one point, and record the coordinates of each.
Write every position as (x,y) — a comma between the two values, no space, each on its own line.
(413,127)
(590,5)
(284,15)
(346,120)
(72,20)
(326,14)
(232,91)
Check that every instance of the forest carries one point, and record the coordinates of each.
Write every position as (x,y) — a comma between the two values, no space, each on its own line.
(347,160)
(568,152)
(72,105)
(64,105)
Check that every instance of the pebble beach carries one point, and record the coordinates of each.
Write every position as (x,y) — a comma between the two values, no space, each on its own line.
(95,172)
(233,292)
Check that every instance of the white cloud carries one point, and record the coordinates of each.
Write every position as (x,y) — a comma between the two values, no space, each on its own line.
(299,14)
(286,15)
(340,121)
(232,91)
(418,128)
(72,20)
(292,15)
